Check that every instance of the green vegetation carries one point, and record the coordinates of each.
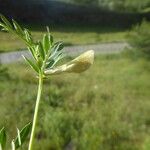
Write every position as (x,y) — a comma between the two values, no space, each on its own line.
(69,35)
(3,73)
(139,38)
(120,5)
(105,108)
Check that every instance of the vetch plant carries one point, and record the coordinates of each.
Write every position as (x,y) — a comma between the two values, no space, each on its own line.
(45,55)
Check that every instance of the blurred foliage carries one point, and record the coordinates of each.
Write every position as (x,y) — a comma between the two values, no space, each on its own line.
(3,73)
(121,5)
(105,108)
(139,39)
(86,2)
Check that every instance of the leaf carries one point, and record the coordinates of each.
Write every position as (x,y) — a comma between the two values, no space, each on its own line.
(2,137)
(53,61)
(32,50)
(41,50)
(55,49)
(2,25)
(8,24)
(58,46)
(28,35)
(56,55)
(19,138)
(22,135)
(50,64)
(4,28)
(46,43)
(50,39)
(32,65)
(17,27)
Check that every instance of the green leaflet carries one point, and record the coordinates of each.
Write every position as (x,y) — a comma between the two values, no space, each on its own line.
(22,135)
(41,51)
(2,138)
(7,23)
(33,66)
(17,27)
(46,43)
(58,46)
(56,55)
(28,36)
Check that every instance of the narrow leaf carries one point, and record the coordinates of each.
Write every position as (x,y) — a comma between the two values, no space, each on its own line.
(54,60)
(46,43)
(4,27)
(6,21)
(28,35)
(32,65)
(22,135)
(58,46)
(33,53)
(50,36)
(50,64)
(2,137)
(19,138)
(17,27)
(57,59)
(50,39)
(41,51)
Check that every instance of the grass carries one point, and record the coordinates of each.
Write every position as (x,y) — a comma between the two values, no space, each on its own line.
(105,108)
(70,35)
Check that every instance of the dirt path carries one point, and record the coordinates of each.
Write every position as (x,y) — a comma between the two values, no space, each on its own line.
(104,48)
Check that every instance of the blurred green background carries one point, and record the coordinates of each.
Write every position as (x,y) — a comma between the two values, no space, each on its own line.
(104,108)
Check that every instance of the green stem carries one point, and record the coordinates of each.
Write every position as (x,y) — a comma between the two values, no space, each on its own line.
(36,111)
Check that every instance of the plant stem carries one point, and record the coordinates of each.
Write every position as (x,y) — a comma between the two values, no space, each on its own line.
(36,111)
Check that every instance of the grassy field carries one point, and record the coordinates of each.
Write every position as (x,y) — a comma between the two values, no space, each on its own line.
(70,35)
(105,108)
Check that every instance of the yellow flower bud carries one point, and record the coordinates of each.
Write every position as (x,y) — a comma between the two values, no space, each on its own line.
(77,65)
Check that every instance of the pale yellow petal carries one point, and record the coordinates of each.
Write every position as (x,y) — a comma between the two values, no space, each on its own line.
(77,65)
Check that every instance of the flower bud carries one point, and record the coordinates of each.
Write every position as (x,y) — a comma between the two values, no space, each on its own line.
(77,65)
